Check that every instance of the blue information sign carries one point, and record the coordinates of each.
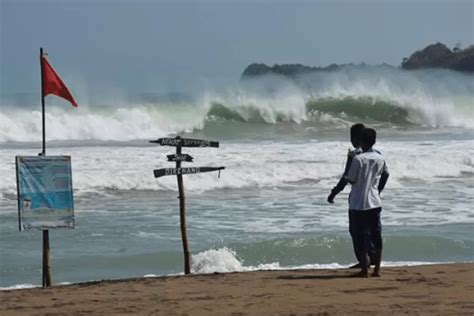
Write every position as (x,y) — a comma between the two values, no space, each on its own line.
(45,198)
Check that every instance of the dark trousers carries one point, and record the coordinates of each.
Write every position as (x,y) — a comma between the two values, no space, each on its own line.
(365,228)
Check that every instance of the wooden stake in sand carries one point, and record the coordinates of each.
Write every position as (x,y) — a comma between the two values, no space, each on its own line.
(46,260)
(182,214)
(179,142)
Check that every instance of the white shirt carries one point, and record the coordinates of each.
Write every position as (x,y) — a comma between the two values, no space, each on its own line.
(364,175)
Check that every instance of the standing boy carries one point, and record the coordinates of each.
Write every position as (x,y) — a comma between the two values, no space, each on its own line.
(356,130)
(368,175)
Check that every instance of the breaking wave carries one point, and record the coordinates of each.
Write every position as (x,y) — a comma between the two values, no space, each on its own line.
(361,109)
(384,96)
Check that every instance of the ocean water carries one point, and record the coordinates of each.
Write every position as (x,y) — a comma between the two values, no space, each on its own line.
(283,144)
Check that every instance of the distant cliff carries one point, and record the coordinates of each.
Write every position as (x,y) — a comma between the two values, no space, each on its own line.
(440,56)
(288,70)
(433,56)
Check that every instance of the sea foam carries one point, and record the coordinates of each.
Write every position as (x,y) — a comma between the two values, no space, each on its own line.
(433,98)
(105,170)
(224,260)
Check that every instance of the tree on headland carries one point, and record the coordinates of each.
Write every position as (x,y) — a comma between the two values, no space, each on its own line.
(433,56)
(457,47)
(440,56)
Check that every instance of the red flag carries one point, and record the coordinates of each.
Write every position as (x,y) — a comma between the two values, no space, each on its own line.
(52,84)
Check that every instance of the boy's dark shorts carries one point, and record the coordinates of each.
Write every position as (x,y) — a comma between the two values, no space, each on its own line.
(367,228)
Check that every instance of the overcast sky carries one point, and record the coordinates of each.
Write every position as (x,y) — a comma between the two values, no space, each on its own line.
(155,46)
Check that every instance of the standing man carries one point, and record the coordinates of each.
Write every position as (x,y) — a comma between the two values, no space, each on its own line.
(356,130)
(368,175)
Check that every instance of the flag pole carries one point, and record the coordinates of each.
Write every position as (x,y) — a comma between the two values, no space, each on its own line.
(43,153)
(46,257)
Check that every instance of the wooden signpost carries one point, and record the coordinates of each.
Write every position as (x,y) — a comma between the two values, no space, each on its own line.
(179,171)
(185,142)
(182,157)
(179,157)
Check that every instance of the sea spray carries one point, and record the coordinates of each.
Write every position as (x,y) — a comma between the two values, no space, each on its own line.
(216,260)
(388,96)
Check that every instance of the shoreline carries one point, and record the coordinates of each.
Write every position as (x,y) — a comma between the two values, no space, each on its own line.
(442,289)
(316,267)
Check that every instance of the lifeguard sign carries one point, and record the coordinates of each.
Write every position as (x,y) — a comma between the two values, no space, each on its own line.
(45,198)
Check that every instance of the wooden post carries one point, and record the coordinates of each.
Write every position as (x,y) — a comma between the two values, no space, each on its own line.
(179,142)
(46,262)
(182,214)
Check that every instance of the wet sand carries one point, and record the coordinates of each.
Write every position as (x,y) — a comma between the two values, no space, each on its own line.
(446,289)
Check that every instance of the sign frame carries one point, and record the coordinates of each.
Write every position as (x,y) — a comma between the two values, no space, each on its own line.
(44,192)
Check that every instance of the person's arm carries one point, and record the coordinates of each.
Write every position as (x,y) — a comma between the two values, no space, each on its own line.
(383,178)
(353,172)
(343,181)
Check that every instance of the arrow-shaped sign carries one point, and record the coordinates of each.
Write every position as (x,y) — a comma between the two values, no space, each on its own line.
(185,142)
(176,171)
(180,157)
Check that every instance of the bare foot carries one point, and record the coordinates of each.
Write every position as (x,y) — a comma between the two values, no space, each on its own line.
(376,274)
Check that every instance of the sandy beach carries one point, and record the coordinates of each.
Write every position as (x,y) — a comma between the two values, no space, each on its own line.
(446,289)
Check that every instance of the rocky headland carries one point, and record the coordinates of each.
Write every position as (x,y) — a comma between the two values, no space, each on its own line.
(440,56)
(433,56)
